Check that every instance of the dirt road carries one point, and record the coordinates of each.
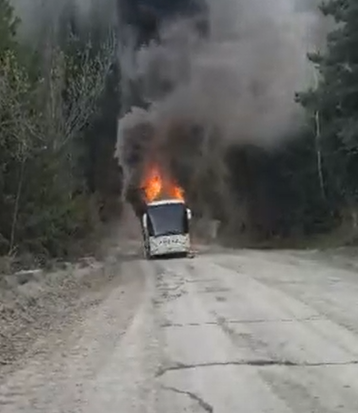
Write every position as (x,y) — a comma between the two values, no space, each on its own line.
(224,332)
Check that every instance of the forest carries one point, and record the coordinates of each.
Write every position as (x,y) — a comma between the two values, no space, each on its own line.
(58,112)
(59,105)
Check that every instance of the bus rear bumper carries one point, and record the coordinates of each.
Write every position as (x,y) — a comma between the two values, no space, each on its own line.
(169,245)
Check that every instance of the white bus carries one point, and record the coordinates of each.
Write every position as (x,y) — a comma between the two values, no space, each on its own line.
(165,226)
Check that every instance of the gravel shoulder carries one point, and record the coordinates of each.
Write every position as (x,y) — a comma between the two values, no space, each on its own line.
(37,305)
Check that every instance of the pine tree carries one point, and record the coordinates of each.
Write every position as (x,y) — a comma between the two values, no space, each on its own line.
(335,98)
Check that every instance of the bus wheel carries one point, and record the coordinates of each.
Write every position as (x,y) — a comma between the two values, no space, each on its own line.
(147,253)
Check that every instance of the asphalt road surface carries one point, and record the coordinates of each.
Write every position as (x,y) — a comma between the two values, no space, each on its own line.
(224,332)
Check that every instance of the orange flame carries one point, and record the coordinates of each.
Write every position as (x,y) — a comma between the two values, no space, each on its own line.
(157,186)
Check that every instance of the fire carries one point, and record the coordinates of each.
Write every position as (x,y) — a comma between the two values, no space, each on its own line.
(152,184)
(156,186)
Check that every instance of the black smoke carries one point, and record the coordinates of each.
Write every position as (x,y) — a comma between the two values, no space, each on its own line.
(199,78)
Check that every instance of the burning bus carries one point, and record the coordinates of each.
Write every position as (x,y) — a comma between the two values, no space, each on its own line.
(166,218)
(158,202)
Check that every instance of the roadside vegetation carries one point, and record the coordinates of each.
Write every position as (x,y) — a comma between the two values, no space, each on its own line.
(332,110)
(53,97)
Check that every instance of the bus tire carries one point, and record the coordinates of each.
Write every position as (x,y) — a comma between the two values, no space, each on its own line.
(147,253)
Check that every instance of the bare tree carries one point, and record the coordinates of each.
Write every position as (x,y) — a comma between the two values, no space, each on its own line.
(48,113)
(71,87)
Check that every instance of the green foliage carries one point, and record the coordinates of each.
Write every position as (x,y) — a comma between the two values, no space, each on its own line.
(335,99)
(332,108)
(48,99)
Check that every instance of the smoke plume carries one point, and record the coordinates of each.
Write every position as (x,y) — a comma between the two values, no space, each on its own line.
(203,93)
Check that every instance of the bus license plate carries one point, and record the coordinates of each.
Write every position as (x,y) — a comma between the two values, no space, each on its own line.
(169,241)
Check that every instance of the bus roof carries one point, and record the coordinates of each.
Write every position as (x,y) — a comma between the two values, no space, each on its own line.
(165,201)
